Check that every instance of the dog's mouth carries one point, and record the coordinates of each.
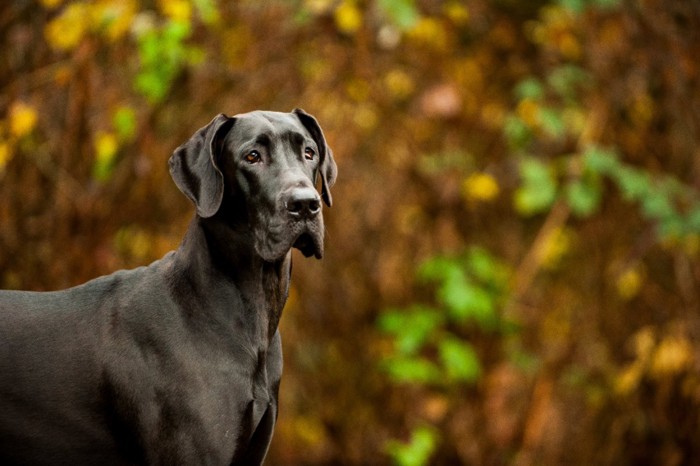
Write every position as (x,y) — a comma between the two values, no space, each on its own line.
(309,244)
(276,239)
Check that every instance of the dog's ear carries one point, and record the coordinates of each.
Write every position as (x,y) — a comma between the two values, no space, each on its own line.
(327,167)
(194,168)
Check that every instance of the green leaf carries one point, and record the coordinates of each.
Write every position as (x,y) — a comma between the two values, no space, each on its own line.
(606,4)
(529,88)
(124,122)
(579,6)
(403,13)
(391,321)
(405,369)
(672,227)
(412,328)
(148,45)
(552,122)
(517,133)
(566,78)
(575,6)
(538,190)
(150,86)
(483,266)
(162,55)
(208,10)
(466,301)
(460,360)
(583,196)
(600,160)
(693,220)
(417,451)
(467,287)
(634,184)
(175,31)
(440,269)
(194,56)
(656,205)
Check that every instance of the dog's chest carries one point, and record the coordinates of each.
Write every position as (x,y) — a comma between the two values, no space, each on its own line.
(196,402)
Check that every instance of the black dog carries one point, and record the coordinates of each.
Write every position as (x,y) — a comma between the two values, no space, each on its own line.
(178,362)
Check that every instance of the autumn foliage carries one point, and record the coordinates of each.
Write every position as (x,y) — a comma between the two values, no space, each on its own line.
(511,274)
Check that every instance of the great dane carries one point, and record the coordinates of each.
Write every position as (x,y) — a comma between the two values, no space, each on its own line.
(179,362)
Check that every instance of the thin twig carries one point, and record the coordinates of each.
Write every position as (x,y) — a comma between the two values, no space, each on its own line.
(532,262)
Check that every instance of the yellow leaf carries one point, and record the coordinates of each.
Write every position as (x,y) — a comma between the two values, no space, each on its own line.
(309,430)
(134,243)
(536,32)
(177,10)
(66,30)
(644,341)
(105,147)
(556,17)
(113,17)
(365,117)
(575,119)
(628,380)
(569,46)
(51,3)
(558,244)
(458,13)
(5,155)
(672,356)
(528,110)
(430,32)
(480,187)
(141,245)
(629,283)
(358,89)
(348,17)
(23,119)
(399,84)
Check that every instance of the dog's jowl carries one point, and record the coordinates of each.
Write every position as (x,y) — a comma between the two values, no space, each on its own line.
(178,362)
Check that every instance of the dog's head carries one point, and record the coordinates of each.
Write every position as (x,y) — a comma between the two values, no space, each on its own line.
(257,172)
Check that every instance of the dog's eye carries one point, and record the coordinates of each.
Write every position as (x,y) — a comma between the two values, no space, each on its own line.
(252,157)
(309,153)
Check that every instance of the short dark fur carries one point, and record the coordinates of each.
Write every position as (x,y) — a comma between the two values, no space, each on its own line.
(178,362)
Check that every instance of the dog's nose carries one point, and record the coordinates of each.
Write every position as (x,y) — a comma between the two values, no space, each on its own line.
(303,203)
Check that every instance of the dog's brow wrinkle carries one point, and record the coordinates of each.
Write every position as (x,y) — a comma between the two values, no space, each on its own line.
(263,139)
(295,137)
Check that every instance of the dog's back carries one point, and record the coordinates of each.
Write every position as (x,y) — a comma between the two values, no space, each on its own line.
(53,393)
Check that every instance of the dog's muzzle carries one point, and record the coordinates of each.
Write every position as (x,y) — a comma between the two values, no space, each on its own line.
(303,206)
(303,203)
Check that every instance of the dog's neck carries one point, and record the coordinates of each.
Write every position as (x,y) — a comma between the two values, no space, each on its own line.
(220,267)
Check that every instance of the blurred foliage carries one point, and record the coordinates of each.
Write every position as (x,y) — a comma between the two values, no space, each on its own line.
(512,271)
(469,292)
(417,451)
